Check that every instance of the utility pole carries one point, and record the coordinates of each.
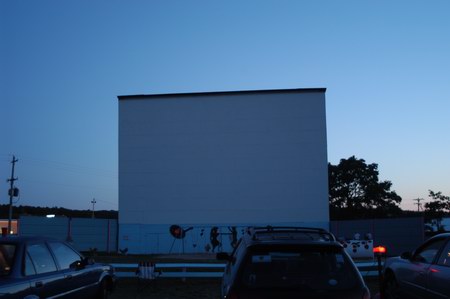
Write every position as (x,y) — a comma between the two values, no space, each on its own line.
(419,205)
(11,191)
(93,207)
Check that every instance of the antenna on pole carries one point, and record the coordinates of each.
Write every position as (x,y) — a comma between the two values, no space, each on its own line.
(419,205)
(93,207)
(13,192)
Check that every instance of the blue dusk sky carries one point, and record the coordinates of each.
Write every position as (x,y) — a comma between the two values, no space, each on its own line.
(385,64)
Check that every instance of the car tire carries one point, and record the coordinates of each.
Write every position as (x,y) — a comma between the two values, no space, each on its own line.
(103,291)
(391,286)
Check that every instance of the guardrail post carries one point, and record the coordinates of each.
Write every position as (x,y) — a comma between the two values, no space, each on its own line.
(184,276)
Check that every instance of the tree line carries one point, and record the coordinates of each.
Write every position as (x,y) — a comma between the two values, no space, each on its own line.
(355,192)
(43,211)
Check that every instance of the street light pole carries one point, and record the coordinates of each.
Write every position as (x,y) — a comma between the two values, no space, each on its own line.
(93,207)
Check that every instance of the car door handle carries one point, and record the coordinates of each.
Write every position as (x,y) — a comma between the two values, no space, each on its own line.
(69,276)
(39,284)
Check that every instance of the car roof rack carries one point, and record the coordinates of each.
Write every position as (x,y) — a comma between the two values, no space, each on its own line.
(272,231)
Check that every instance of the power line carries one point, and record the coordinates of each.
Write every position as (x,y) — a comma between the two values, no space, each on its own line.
(74,168)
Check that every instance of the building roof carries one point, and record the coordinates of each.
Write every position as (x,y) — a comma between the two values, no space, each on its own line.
(218,93)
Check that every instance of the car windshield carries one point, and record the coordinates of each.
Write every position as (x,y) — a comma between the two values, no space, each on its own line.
(307,267)
(7,252)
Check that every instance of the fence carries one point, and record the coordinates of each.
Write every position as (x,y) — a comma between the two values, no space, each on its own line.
(84,233)
(397,234)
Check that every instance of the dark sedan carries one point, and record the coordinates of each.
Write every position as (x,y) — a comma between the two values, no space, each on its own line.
(36,267)
(423,273)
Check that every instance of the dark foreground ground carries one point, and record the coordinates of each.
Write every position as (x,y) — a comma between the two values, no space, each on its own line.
(176,288)
(168,288)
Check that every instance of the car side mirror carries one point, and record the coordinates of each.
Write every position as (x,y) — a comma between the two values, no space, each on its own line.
(77,265)
(406,255)
(223,256)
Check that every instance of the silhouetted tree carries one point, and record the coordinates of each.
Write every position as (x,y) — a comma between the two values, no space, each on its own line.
(436,209)
(356,192)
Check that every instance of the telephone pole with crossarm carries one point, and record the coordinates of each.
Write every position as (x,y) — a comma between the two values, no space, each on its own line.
(12,192)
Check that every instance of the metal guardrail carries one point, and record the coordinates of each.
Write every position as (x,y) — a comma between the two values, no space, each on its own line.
(368,269)
(210,270)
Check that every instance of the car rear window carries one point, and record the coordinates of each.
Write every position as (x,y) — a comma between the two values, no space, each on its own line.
(7,252)
(309,268)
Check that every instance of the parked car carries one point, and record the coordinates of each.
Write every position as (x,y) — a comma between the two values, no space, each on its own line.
(290,262)
(423,273)
(36,267)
